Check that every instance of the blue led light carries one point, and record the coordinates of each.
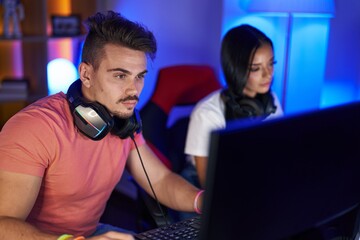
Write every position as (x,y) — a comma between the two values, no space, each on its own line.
(60,74)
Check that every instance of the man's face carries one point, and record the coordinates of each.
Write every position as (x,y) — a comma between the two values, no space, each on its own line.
(118,81)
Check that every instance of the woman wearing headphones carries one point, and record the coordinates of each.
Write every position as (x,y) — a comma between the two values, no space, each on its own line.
(247,60)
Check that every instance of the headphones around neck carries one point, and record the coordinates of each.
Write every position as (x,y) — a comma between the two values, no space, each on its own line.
(258,107)
(95,121)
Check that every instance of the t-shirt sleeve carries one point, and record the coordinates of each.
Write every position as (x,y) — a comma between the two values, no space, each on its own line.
(22,144)
(139,139)
(202,122)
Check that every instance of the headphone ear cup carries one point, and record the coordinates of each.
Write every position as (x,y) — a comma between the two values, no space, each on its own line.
(93,121)
(270,106)
(258,107)
(249,108)
(125,128)
(91,118)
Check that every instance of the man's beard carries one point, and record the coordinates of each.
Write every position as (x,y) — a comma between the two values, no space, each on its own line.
(123,115)
(126,115)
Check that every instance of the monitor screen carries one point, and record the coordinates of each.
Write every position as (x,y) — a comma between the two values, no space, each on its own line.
(283,177)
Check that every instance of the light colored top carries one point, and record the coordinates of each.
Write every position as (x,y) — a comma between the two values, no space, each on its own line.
(209,115)
(78,173)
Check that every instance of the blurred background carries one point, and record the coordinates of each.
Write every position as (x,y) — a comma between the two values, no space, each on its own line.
(316,45)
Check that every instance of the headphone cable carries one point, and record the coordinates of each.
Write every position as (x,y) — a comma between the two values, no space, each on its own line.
(148,179)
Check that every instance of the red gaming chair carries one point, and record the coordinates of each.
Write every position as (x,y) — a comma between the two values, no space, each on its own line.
(176,86)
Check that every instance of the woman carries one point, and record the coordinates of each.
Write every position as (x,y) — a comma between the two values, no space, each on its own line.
(247,60)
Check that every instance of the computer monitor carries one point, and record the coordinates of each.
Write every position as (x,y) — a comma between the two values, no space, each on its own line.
(284,177)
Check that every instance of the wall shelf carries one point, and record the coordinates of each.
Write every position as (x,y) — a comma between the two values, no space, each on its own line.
(27,57)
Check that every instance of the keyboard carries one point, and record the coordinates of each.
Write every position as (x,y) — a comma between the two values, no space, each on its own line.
(187,229)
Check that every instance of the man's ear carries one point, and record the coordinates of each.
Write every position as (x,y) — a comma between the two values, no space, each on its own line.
(85,72)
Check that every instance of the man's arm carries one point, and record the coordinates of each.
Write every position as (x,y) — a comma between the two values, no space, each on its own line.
(171,189)
(18,193)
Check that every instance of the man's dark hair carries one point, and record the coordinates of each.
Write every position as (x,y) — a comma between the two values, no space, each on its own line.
(112,28)
(237,52)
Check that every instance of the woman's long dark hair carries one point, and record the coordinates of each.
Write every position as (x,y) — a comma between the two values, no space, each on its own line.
(237,52)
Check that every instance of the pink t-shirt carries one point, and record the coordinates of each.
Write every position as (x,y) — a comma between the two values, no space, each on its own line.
(78,173)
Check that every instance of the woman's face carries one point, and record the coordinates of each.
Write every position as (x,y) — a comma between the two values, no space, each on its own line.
(261,71)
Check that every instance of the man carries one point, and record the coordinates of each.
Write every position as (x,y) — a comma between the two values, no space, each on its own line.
(61,157)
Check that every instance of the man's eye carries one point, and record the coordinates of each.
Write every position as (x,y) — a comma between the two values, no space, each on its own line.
(142,76)
(121,76)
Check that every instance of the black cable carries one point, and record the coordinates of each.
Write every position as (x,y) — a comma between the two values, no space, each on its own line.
(148,179)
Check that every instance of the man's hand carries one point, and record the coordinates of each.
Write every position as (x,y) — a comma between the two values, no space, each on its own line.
(111,235)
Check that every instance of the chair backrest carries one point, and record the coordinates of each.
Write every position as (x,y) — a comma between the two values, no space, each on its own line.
(176,86)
